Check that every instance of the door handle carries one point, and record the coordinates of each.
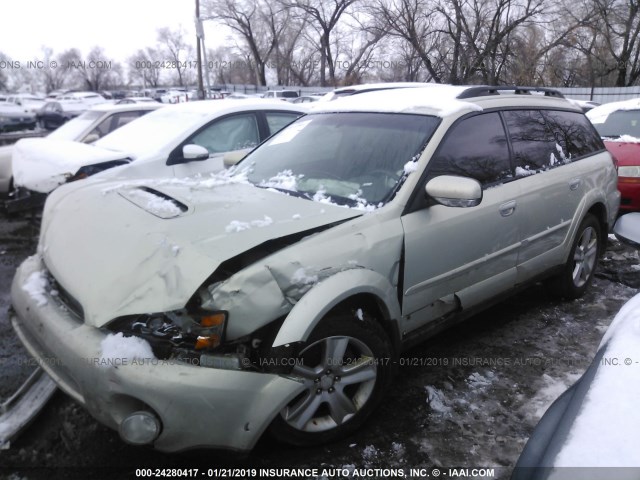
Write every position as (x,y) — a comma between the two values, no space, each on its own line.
(574,183)
(508,208)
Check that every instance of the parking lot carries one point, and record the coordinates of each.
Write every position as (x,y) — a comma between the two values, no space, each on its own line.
(469,397)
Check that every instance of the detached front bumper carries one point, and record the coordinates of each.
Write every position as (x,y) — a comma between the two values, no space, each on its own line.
(197,406)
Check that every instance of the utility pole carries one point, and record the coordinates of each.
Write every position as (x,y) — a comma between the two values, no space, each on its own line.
(199,36)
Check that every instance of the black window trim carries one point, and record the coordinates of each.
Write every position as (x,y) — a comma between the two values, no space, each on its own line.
(418,201)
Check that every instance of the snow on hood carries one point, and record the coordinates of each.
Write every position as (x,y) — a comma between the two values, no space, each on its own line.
(117,256)
(605,430)
(43,164)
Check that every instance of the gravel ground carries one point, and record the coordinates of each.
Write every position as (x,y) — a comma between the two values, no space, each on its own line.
(469,397)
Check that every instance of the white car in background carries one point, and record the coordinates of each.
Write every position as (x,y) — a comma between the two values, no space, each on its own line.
(175,141)
(86,128)
(89,98)
(29,103)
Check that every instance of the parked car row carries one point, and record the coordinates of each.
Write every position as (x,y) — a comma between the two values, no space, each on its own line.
(274,296)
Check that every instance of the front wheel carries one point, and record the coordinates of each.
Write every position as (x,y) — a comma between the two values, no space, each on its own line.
(345,369)
(580,267)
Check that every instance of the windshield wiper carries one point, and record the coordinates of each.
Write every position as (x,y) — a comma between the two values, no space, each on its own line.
(293,193)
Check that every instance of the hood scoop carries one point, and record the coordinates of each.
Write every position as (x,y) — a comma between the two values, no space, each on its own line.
(156,203)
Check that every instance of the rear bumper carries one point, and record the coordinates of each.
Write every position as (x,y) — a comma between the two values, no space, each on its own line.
(197,406)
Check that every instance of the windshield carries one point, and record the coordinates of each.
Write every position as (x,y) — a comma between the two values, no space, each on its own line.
(619,123)
(151,132)
(353,159)
(73,129)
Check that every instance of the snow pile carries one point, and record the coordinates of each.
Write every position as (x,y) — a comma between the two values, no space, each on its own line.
(551,390)
(479,382)
(410,167)
(361,203)
(625,139)
(301,277)
(154,203)
(284,180)
(437,400)
(523,172)
(217,179)
(238,226)
(605,430)
(36,286)
(118,346)
(369,453)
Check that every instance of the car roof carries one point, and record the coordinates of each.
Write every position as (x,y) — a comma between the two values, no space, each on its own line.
(443,100)
(125,107)
(231,105)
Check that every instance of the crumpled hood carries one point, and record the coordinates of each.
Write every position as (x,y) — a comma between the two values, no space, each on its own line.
(132,248)
(43,164)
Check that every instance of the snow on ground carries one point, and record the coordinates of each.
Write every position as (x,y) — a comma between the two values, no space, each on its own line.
(550,390)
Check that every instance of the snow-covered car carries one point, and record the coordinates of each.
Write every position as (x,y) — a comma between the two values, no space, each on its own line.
(58,112)
(88,127)
(618,123)
(175,141)
(28,102)
(88,98)
(369,87)
(130,100)
(277,295)
(585,105)
(286,95)
(13,118)
(589,431)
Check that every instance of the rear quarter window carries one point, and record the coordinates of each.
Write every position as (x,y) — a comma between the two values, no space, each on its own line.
(574,132)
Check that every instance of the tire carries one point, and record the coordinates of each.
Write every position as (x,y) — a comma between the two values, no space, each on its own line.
(578,272)
(346,368)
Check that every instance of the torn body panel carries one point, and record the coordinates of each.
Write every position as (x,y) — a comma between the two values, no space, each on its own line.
(148,263)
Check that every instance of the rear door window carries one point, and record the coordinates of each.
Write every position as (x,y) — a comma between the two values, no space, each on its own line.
(533,144)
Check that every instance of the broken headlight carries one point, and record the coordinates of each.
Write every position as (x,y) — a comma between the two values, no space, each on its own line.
(176,332)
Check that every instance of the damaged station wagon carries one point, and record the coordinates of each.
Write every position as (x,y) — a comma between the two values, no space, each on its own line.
(277,295)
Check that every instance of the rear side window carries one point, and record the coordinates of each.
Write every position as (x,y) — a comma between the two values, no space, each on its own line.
(534,145)
(475,147)
(574,133)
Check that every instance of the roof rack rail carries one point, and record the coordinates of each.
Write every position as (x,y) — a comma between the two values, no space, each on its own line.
(485,90)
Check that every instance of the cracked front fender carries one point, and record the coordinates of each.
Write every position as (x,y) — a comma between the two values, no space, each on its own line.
(316,303)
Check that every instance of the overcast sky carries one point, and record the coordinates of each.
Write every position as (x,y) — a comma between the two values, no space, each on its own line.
(119,26)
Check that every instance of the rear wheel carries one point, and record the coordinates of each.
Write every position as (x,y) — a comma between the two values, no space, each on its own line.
(345,368)
(580,267)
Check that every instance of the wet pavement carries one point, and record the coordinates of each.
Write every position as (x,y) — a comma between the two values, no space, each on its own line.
(469,397)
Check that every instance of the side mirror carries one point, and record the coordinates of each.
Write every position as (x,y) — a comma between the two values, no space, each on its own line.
(452,191)
(627,229)
(194,152)
(231,158)
(92,137)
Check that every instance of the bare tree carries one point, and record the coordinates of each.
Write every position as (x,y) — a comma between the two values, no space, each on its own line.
(254,21)
(618,23)
(173,44)
(144,67)
(324,17)
(419,24)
